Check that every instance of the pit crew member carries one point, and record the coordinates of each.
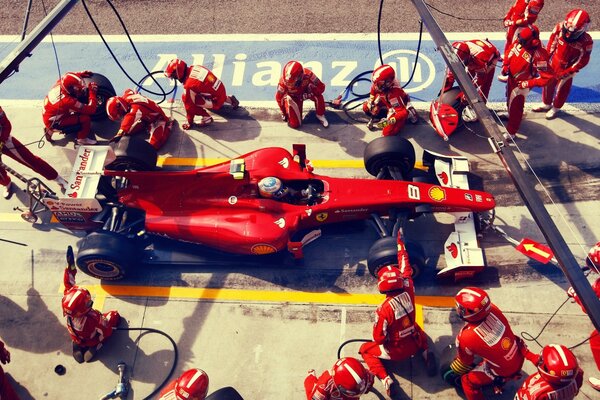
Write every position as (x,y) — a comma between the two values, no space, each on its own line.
(593,262)
(296,85)
(396,335)
(479,58)
(519,15)
(388,102)
(191,385)
(486,334)
(7,392)
(139,114)
(570,47)
(89,328)
(202,90)
(347,380)
(558,375)
(69,105)
(527,66)
(13,148)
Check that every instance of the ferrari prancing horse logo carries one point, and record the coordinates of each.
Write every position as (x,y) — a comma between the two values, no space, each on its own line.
(321,216)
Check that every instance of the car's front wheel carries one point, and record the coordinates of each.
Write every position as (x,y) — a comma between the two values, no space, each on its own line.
(388,154)
(107,255)
(384,252)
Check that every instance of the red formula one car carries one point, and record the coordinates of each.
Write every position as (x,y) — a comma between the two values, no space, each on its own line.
(123,201)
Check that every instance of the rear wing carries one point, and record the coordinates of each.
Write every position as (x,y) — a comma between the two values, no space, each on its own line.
(76,208)
(464,257)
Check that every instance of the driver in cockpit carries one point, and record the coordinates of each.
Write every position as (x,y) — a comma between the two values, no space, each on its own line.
(273,188)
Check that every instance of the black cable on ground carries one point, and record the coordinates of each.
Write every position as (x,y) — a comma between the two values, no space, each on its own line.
(339,352)
(162,93)
(175,356)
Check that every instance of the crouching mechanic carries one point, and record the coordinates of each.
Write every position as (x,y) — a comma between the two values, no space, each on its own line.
(296,85)
(396,334)
(88,328)
(388,102)
(70,104)
(139,114)
(202,90)
(347,380)
(558,376)
(486,334)
(191,385)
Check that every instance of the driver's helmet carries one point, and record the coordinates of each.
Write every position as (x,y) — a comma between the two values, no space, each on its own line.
(272,187)
(350,377)
(192,385)
(576,24)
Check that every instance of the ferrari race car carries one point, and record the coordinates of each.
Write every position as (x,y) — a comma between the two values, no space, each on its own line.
(124,202)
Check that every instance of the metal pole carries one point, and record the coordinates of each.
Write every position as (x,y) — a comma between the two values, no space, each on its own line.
(11,62)
(536,207)
(24,30)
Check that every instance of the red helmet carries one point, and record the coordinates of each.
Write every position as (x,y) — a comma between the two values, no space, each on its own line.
(390,279)
(176,69)
(472,304)
(293,72)
(72,84)
(576,24)
(593,258)
(529,37)
(76,302)
(462,51)
(383,76)
(116,108)
(192,385)
(557,364)
(350,377)
(596,287)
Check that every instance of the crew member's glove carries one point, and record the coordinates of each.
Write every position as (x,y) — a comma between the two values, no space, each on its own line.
(524,84)
(4,354)
(93,87)
(508,22)
(413,117)
(86,73)
(70,258)
(385,122)
(117,137)
(571,292)
(308,96)
(400,242)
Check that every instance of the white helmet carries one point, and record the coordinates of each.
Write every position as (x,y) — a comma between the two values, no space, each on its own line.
(271,187)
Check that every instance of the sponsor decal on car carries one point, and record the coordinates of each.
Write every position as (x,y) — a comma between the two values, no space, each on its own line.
(443,177)
(232,200)
(262,248)
(321,216)
(436,193)
(478,198)
(453,250)
(280,222)
(352,210)
(285,163)
(468,197)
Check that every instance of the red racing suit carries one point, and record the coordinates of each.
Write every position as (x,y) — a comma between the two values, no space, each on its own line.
(291,100)
(13,148)
(93,328)
(520,14)
(145,116)
(392,103)
(168,392)
(323,388)
(396,335)
(494,341)
(202,90)
(535,387)
(7,392)
(567,59)
(594,336)
(526,68)
(481,66)
(62,111)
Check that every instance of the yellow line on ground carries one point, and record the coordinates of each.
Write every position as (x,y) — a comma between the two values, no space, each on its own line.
(204,162)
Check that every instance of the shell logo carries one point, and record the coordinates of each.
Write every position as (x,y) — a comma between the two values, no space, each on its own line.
(405,322)
(505,343)
(260,249)
(436,193)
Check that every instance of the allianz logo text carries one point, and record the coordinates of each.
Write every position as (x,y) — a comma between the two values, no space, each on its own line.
(237,71)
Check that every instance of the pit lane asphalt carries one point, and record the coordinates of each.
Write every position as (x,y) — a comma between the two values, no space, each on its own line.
(259,329)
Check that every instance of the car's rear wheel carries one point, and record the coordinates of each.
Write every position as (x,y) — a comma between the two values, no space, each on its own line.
(105,91)
(226,393)
(385,252)
(387,152)
(107,255)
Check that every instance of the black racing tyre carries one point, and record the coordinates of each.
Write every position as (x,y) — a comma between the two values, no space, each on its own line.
(385,252)
(107,255)
(133,153)
(389,151)
(226,393)
(105,91)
